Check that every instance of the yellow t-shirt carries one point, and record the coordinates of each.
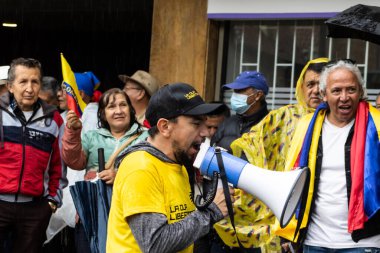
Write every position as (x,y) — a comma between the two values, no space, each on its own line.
(146,184)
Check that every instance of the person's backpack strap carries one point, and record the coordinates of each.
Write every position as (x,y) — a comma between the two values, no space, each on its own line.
(111,161)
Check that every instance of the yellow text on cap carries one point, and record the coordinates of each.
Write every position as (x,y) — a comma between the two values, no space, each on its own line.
(191,94)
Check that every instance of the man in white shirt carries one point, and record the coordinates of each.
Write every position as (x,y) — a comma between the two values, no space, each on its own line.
(342,213)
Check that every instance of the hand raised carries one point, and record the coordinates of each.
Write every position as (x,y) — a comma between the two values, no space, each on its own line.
(73,121)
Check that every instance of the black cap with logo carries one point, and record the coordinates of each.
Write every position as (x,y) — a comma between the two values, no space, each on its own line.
(173,100)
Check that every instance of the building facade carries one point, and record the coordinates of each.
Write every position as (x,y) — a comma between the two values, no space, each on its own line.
(209,44)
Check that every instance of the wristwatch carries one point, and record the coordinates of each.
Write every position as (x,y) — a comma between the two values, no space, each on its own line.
(53,206)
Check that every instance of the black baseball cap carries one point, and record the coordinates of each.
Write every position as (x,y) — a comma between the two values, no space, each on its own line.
(173,100)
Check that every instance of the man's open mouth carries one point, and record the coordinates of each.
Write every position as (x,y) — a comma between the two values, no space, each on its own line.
(345,108)
(196,146)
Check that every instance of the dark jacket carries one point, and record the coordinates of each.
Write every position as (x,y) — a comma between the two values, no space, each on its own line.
(236,125)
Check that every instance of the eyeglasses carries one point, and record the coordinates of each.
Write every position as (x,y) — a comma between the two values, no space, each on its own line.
(131,88)
(335,62)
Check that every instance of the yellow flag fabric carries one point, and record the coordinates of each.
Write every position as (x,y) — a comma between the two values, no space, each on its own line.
(265,145)
(300,132)
(74,100)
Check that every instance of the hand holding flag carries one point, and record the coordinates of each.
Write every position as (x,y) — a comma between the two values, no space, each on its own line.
(74,100)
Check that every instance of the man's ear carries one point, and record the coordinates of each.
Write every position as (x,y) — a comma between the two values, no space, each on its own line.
(260,95)
(361,92)
(164,127)
(141,94)
(9,87)
(323,95)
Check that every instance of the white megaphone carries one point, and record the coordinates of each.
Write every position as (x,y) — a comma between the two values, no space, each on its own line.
(280,191)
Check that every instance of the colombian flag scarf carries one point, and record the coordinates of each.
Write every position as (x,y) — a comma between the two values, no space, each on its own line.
(364,164)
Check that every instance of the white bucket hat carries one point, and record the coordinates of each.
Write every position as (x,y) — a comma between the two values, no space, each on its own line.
(3,74)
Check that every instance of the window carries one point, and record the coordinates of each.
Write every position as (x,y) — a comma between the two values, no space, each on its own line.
(280,49)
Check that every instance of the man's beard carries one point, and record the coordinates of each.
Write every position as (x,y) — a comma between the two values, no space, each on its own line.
(184,159)
(180,155)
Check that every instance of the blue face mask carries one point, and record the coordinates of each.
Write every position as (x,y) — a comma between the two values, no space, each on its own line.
(239,102)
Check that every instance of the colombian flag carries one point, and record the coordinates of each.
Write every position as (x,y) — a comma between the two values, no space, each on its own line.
(74,100)
(364,163)
(365,168)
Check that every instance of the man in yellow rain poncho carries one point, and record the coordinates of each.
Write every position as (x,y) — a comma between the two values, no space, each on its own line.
(266,146)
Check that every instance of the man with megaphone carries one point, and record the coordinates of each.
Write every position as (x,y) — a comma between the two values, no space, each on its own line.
(152,208)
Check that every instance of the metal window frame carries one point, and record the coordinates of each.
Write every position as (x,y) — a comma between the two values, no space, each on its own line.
(274,90)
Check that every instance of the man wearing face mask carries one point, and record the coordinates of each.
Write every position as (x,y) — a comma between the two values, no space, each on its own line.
(248,101)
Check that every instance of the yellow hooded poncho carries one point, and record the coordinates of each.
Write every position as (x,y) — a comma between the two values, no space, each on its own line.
(265,146)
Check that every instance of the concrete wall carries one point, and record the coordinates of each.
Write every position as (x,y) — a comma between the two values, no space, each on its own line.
(183,45)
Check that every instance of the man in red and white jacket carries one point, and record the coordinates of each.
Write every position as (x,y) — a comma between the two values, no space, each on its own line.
(31,175)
